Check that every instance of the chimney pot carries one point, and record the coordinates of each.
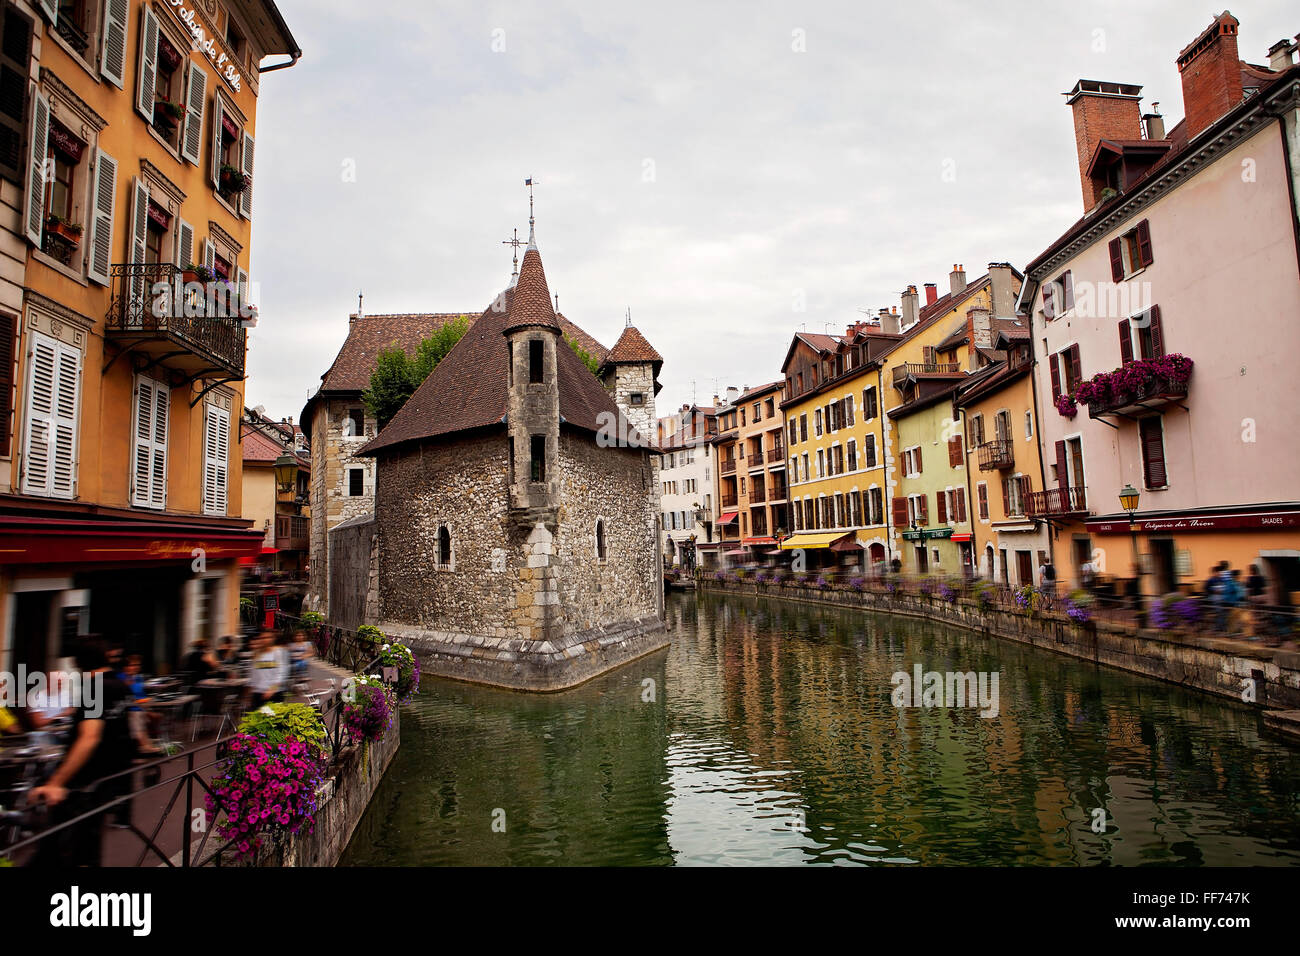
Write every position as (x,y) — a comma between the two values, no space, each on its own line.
(1211,73)
(957,280)
(931,293)
(1102,110)
(911,307)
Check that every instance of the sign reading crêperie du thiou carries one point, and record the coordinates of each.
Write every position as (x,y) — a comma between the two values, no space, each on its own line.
(224,64)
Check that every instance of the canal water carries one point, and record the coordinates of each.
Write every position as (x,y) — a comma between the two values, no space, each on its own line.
(767,735)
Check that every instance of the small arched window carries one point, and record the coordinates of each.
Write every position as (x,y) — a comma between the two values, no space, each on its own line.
(600,540)
(444,548)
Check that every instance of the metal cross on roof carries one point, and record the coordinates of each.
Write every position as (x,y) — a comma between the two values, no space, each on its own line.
(516,242)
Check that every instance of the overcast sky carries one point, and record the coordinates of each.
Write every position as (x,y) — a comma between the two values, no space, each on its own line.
(707,166)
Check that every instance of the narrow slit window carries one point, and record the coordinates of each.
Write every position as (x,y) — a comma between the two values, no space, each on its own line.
(600,540)
(539,458)
(444,547)
(534,361)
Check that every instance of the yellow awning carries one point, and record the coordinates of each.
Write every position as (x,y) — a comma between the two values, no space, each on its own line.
(806,541)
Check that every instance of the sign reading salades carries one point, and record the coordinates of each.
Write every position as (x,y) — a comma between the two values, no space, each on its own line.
(207,44)
(1253,520)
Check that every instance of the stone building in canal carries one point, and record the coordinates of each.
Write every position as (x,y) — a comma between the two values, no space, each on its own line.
(516,505)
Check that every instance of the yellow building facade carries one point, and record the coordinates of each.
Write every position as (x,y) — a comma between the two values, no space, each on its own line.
(120,493)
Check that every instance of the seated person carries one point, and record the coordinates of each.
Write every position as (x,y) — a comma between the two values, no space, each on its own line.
(200,663)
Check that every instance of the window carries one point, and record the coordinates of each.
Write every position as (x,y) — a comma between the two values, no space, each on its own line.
(216,455)
(1152,433)
(793,430)
(356,482)
(231,171)
(982,492)
(876,498)
(848,410)
(976,427)
(1131,252)
(837,454)
(821,463)
(234,40)
(1015,491)
(637,398)
(1066,372)
(600,540)
(818,421)
(52,419)
(869,407)
(15,57)
(355,424)
(803,427)
(1058,296)
(853,455)
(758,412)
(805,466)
(538,457)
(1141,336)
(149,455)
(912,462)
(1029,424)
(535,353)
(869,451)
(444,549)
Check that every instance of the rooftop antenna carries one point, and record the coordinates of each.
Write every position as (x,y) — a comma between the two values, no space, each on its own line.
(516,242)
(360,298)
(557,302)
(532,241)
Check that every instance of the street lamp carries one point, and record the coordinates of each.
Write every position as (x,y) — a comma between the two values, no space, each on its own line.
(1128,500)
(286,473)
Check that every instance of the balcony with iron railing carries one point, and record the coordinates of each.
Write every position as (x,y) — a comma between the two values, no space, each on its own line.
(1152,395)
(776,455)
(155,314)
(997,454)
(729,501)
(778,493)
(1057,502)
(727,466)
(757,494)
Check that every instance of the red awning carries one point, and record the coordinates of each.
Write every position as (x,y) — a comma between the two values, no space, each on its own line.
(729,517)
(270,550)
(960,537)
(76,539)
(751,542)
(847,543)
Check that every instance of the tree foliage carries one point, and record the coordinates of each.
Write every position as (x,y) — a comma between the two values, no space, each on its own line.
(397,375)
(588,359)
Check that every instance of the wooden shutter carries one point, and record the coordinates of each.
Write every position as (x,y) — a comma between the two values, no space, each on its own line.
(8,325)
(1145,257)
(149,456)
(869,451)
(147,74)
(983,491)
(139,225)
(1153,452)
(38,147)
(1026,487)
(1049,300)
(209,253)
(216,449)
(924,502)
(1053,365)
(917,452)
(1125,341)
(1006,495)
(1116,260)
(1067,282)
(246,197)
(218,109)
(184,244)
(900,512)
(113,58)
(1076,367)
(50,452)
(196,101)
(101,221)
(51,10)
(241,286)
(15,60)
(960,496)
(1157,335)
(954,451)
(1062,468)
(941,505)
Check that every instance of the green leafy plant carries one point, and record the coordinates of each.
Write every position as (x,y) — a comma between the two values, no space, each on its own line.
(202,273)
(589,360)
(397,375)
(275,723)
(310,621)
(233,180)
(403,658)
(369,634)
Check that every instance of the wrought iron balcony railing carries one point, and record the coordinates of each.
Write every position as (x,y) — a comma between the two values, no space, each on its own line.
(911,369)
(997,454)
(204,333)
(729,501)
(1154,394)
(728,466)
(1057,502)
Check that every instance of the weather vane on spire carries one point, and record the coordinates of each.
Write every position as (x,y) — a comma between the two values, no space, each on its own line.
(516,242)
(530,183)
(628,319)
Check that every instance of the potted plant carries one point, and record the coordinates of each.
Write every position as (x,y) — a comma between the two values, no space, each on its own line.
(196,273)
(65,229)
(166,115)
(1066,406)
(232,180)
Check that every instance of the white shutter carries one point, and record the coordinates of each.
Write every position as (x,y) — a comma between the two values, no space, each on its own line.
(51,10)
(209,253)
(184,244)
(113,60)
(218,108)
(49,464)
(101,221)
(246,197)
(216,449)
(139,223)
(148,65)
(34,219)
(149,457)
(241,286)
(195,103)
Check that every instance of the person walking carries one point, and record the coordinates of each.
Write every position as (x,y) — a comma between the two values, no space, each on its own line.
(1047,578)
(270,670)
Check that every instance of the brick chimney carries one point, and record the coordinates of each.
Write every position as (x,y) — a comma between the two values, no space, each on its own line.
(1211,73)
(957,279)
(931,293)
(1102,111)
(911,306)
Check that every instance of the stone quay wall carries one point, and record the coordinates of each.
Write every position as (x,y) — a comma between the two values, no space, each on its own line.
(1219,666)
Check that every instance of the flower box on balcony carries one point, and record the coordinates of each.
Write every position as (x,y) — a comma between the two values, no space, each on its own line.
(69,232)
(166,115)
(232,180)
(1140,386)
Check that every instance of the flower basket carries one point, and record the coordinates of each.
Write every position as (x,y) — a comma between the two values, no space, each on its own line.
(193,273)
(232,180)
(166,115)
(69,232)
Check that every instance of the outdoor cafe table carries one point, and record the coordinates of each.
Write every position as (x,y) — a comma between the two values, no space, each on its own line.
(214,690)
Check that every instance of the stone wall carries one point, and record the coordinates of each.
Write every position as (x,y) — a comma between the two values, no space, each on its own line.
(1219,666)
(350,562)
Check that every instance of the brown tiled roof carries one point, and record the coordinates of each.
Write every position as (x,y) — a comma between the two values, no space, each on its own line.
(467,390)
(585,341)
(530,305)
(368,335)
(259,448)
(632,347)
(954,339)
